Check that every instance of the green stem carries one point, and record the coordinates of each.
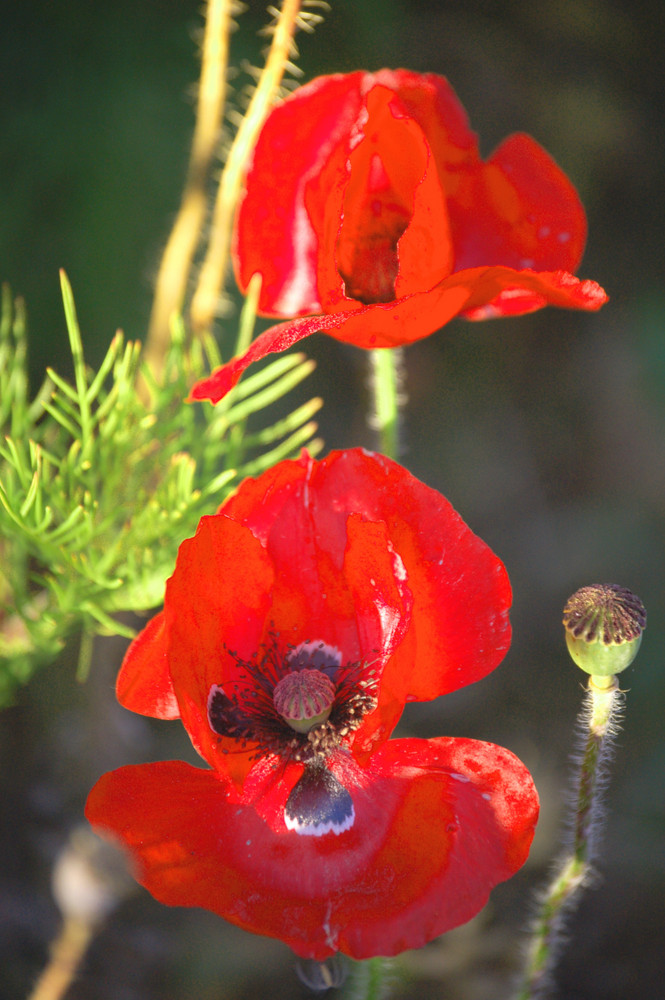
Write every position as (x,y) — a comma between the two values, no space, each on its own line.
(370,980)
(599,723)
(85,654)
(80,377)
(603,703)
(386,379)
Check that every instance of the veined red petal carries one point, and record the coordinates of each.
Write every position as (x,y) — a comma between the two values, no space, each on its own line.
(459,629)
(383,600)
(437,824)
(347,585)
(144,683)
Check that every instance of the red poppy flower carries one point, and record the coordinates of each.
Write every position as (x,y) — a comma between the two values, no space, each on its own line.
(298,621)
(371,216)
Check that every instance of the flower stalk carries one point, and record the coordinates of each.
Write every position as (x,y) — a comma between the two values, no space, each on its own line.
(67,953)
(211,279)
(598,722)
(177,259)
(90,878)
(604,625)
(371,979)
(385,380)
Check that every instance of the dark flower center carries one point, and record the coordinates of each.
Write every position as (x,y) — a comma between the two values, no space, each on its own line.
(375,217)
(368,261)
(300,705)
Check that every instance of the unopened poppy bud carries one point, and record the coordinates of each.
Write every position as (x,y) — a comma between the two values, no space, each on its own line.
(304,698)
(604,625)
(322,976)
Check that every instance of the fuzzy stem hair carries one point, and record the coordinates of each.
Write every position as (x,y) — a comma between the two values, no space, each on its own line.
(598,725)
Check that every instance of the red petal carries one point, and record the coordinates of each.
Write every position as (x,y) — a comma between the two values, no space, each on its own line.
(437,824)
(459,629)
(278,338)
(217,604)
(230,590)
(383,602)
(274,234)
(499,292)
(385,215)
(477,293)
(346,584)
(347,587)
(426,251)
(289,217)
(519,210)
(144,683)
(435,106)
(361,607)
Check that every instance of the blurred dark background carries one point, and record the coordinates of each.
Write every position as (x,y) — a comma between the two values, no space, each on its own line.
(547,433)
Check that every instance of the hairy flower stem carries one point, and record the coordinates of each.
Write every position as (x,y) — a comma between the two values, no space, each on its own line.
(386,378)
(177,259)
(598,722)
(371,980)
(211,279)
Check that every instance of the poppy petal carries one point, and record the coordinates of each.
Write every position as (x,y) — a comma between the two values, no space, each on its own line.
(520,292)
(458,625)
(211,623)
(437,824)
(390,227)
(433,103)
(230,591)
(476,293)
(459,629)
(144,683)
(277,338)
(347,587)
(274,234)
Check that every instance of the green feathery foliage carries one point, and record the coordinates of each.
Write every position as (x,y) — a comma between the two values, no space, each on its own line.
(98,489)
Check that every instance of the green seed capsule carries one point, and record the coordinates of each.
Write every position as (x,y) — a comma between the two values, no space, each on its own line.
(604,625)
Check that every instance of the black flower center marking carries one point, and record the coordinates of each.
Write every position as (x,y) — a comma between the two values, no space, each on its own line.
(319,804)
